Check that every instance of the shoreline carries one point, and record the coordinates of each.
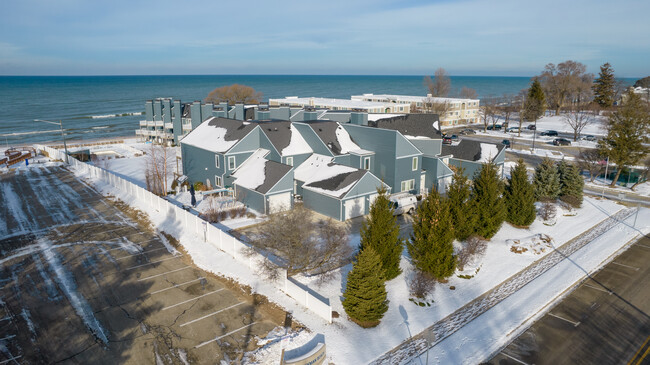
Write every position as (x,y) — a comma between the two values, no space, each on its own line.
(76,142)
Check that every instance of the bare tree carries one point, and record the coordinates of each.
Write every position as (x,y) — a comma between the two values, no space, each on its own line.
(440,85)
(577,119)
(643,177)
(468,93)
(300,244)
(489,112)
(234,94)
(158,168)
(473,249)
(507,107)
(591,161)
(565,83)
(438,106)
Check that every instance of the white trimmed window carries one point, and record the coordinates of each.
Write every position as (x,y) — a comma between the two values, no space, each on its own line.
(289,161)
(232,163)
(366,163)
(408,185)
(217,181)
(216,161)
(414,164)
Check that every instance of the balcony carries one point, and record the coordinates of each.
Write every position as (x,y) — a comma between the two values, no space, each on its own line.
(169,126)
(143,123)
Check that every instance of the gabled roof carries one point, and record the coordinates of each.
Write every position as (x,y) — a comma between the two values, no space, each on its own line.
(470,150)
(218,134)
(333,136)
(411,125)
(322,175)
(259,174)
(285,138)
(186,110)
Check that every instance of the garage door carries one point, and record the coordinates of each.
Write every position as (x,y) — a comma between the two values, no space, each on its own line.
(279,202)
(355,207)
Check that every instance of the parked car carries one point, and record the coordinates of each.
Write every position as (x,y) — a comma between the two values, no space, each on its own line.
(446,140)
(403,203)
(506,143)
(561,142)
(589,138)
(532,127)
(513,130)
(496,127)
(467,131)
(550,133)
(454,137)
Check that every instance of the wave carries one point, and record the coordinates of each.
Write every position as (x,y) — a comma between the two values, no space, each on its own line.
(101,127)
(30,133)
(115,115)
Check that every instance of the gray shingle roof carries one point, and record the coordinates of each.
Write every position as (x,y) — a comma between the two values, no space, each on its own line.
(338,182)
(235,129)
(187,111)
(411,125)
(273,172)
(466,149)
(326,131)
(278,132)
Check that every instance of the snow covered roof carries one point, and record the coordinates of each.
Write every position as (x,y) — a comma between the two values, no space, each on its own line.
(322,175)
(330,103)
(408,98)
(218,134)
(285,138)
(334,136)
(259,174)
(470,150)
(417,125)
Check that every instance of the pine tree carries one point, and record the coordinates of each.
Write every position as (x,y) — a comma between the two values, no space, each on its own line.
(571,184)
(546,181)
(365,299)
(520,197)
(460,207)
(431,247)
(604,86)
(535,103)
(381,232)
(486,195)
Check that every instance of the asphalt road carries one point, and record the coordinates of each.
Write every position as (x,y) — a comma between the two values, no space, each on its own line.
(605,320)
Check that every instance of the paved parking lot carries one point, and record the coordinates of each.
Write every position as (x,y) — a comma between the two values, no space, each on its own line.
(83,282)
(605,320)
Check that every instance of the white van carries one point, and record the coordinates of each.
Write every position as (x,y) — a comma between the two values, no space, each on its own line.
(403,203)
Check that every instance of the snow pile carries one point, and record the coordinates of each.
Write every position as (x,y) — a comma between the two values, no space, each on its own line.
(345,140)
(532,245)
(209,138)
(250,174)
(297,145)
(488,152)
(272,345)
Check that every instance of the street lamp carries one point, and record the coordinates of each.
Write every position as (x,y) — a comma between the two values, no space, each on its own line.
(60,124)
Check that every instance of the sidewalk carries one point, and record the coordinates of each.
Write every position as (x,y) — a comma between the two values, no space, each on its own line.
(444,328)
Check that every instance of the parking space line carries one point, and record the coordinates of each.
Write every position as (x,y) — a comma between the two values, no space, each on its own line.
(165,273)
(222,336)
(189,300)
(212,314)
(575,324)
(175,286)
(628,266)
(153,262)
(642,245)
(513,358)
(597,288)
(139,253)
(12,359)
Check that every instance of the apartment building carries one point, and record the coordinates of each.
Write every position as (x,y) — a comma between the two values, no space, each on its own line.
(341,104)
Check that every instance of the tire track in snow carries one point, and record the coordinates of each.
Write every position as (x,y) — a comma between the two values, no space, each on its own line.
(12,201)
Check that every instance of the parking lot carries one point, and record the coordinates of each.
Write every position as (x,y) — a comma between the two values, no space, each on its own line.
(84,282)
(605,320)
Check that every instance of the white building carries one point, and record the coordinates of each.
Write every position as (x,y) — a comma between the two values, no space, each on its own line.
(342,104)
(459,111)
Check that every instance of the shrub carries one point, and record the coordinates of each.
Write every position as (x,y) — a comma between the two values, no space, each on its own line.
(198,186)
(547,211)
(473,248)
(421,284)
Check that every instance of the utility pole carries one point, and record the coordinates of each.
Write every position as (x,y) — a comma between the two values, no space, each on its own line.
(60,124)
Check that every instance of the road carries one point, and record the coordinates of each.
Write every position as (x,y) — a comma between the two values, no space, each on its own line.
(605,320)
(85,280)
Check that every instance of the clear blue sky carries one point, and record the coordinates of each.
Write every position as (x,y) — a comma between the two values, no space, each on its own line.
(374,37)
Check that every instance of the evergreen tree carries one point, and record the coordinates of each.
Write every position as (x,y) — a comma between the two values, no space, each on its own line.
(381,232)
(460,207)
(486,195)
(431,247)
(520,197)
(604,86)
(546,181)
(365,299)
(571,184)
(535,103)
(627,139)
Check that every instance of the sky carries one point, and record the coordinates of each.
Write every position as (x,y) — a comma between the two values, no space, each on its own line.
(360,37)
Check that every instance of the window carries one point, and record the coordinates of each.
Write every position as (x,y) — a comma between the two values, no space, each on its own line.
(216,161)
(231,163)
(414,164)
(366,163)
(289,161)
(217,181)
(408,185)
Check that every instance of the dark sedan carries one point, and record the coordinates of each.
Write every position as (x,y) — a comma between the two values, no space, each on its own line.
(561,142)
